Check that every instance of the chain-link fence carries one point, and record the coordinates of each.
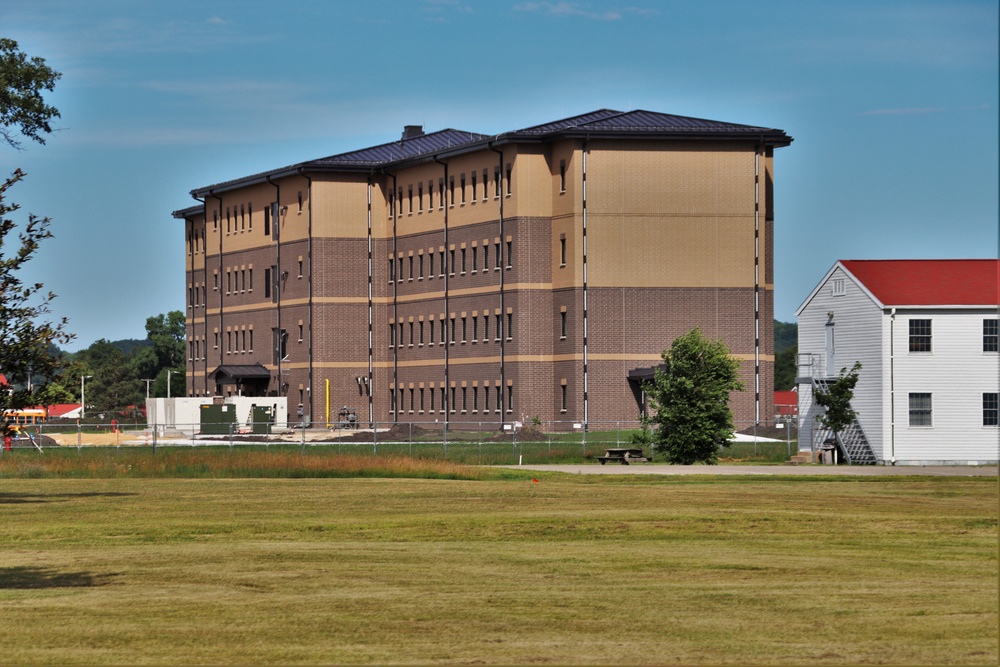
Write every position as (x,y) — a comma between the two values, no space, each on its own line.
(471,442)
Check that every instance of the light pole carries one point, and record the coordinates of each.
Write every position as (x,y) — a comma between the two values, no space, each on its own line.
(168,383)
(83,396)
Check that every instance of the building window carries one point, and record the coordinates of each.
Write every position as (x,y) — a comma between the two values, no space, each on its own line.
(486,257)
(451,406)
(475,398)
(442,268)
(420,267)
(430,195)
(300,268)
(562,252)
(486,399)
(443,332)
(562,176)
(497,258)
(496,182)
(475,328)
(411,267)
(991,339)
(499,328)
(300,202)
(451,189)
(920,410)
(474,186)
(565,398)
(839,287)
(411,334)
(431,393)
(399,269)
(250,276)
(508,170)
(440,193)
(510,326)
(392,204)
(442,408)
(421,400)
(453,331)
(420,197)
(510,254)
(267,283)
(411,399)
(409,204)
(475,258)
(510,398)
(280,344)
(392,335)
(463,261)
(920,335)
(465,400)
(463,187)
(499,401)
(430,264)
(562,325)
(991,409)
(301,331)
(486,174)
(464,329)
(267,221)
(251,339)
(486,328)
(451,258)
(392,269)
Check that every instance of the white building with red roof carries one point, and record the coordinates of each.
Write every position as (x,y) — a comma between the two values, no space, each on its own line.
(926,334)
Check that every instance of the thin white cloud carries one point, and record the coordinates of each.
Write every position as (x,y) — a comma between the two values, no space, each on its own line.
(907,111)
(566,8)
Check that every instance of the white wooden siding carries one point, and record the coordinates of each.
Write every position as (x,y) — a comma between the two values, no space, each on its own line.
(956,372)
(858,337)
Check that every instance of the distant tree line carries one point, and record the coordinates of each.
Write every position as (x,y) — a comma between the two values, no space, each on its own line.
(118,370)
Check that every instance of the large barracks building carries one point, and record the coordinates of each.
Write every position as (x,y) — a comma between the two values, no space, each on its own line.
(466,278)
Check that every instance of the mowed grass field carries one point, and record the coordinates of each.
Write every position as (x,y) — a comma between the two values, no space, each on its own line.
(498,569)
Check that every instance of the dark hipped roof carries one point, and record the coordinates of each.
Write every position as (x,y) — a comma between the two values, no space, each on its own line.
(603,123)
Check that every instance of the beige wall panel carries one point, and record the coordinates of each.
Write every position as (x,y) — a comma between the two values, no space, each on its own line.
(673,252)
(340,207)
(531,182)
(663,179)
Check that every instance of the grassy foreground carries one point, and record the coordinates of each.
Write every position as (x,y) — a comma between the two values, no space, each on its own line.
(568,570)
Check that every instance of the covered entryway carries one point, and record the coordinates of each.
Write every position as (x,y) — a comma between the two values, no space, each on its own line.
(250,380)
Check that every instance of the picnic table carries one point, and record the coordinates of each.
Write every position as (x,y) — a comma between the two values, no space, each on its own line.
(624,455)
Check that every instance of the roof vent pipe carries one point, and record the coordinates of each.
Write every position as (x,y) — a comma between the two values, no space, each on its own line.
(413,131)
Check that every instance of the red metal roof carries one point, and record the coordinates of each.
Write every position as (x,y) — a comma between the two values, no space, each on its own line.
(929,282)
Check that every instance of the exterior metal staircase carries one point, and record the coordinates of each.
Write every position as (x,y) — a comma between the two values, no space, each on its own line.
(852,442)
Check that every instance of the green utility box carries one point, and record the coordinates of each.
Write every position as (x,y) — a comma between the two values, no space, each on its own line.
(218,419)
(261,419)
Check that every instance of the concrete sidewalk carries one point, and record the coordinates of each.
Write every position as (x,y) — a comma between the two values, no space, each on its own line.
(861,471)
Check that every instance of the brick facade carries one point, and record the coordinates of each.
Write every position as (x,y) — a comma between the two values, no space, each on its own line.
(447,277)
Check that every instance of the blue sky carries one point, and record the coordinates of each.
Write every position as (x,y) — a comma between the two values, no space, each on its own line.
(893,107)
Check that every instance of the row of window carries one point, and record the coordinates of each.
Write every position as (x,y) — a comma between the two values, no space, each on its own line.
(463,400)
(450,196)
(437,331)
(921,408)
(461,260)
(921,337)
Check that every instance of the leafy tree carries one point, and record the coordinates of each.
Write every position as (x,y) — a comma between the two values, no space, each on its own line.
(689,398)
(114,386)
(23,110)
(786,334)
(785,368)
(26,331)
(839,414)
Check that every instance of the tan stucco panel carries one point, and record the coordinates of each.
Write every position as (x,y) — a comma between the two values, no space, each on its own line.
(670,252)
